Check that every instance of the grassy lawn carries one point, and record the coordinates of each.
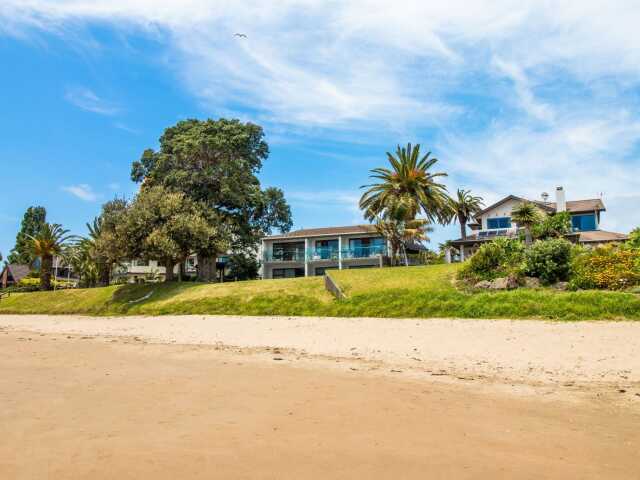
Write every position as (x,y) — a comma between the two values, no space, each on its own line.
(389,292)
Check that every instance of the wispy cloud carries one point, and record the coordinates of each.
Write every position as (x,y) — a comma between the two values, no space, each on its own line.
(320,200)
(86,99)
(83,192)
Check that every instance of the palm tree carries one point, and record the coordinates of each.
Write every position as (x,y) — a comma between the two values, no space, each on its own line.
(406,188)
(50,241)
(399,232)
(526,215)
(464,207)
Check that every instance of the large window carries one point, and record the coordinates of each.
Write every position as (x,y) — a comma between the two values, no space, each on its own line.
(581,223)
(326,250)
(366,247)
(287,252)
(499,222)
(287,272)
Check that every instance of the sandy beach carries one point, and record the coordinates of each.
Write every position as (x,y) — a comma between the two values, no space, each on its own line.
(258,397)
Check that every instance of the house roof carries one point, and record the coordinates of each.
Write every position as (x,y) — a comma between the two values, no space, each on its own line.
(597,236)
(18,271)
(325,231)
(573,206)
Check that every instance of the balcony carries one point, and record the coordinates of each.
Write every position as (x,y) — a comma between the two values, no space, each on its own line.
(364,252)
(284,256)
(323,254)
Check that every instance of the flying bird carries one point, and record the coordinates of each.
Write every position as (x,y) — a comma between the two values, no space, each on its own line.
(241,35)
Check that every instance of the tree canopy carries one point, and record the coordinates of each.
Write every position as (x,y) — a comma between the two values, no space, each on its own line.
(215,163)
(32,222)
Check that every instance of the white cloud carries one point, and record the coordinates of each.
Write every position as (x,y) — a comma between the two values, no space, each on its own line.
(85,99)
(346,201)
(530,93)
(82,191)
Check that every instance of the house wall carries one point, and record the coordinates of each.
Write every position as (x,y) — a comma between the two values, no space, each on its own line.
(502,210)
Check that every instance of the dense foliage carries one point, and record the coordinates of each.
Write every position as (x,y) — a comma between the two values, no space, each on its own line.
(552,226)
(32,222)
(609,267)
(215,164)
(499,258)
(549,260)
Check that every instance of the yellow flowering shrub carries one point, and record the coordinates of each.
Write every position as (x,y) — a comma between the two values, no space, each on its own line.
(609,267)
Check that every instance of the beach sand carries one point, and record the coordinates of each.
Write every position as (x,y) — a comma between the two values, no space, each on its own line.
(229,397)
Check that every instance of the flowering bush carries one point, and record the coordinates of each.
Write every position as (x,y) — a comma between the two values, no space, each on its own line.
(610,267)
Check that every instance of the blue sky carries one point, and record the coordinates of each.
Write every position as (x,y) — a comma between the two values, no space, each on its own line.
(512,97)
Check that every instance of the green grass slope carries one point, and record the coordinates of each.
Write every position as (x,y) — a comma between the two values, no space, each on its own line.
(389,292)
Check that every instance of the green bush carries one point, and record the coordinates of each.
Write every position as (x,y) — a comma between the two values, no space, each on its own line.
(611,267)
(553,226)
(549,260)
(499,258)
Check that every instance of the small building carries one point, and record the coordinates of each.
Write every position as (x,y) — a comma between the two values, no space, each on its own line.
(137,270)
(12,273)
(313,251)
(495,221)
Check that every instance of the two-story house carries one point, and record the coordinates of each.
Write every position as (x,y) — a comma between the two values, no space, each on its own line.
(313,251)
(495,221)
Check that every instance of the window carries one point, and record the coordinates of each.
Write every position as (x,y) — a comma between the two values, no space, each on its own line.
(499,222)
(287,272)
(581,223)
(366,247)
(287,252)
(326,249)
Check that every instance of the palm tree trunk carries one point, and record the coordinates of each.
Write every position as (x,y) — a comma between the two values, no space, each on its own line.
(527,236)
(45,272)
(463,226)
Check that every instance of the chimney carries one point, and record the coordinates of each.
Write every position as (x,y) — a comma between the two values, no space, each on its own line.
(561,202)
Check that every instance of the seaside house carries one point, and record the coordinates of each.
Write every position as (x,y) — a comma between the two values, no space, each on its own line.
(137,270)
(495,221)
(313,251)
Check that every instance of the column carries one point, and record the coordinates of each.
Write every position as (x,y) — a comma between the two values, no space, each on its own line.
(340,252)
(306,257)
(447,255)
(461,253)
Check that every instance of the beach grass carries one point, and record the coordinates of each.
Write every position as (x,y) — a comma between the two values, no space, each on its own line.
(405,292)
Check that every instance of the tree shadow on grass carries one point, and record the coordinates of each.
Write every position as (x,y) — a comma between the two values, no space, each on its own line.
(134,296)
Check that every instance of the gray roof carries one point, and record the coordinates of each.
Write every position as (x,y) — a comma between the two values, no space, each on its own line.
(325,231)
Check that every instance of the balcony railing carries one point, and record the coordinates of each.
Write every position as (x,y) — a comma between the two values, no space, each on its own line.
(325,254)
(320,254)
(285,256)
(364,252)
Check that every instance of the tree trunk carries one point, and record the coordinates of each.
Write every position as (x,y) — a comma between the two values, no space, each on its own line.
(463,226)
(527,236)
(207,268)
(45,272)
(105,275)
(168,266)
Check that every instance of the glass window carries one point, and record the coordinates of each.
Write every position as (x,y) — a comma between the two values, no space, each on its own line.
(326,249)
(499,222)
(581,223)
(366,247)
(287,272)
(291,251)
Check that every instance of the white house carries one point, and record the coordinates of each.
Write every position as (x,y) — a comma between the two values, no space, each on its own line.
(495,221)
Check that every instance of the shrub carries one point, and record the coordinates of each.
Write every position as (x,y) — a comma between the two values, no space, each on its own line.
(553,226)
(610,267)
(634,238)
(549,260)
(499,258)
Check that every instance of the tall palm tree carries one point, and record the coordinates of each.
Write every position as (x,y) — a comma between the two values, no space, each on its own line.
(408,187)
(463,207)
(50,241)
(526,215)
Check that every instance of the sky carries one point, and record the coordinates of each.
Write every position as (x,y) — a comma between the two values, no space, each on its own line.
(512,97)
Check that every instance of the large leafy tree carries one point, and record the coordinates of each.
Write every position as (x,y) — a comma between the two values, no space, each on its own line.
(463,207)
(32,222)
(104,246)
(215,163)
(168,226)
(410,186)
(49,241)
(526,215)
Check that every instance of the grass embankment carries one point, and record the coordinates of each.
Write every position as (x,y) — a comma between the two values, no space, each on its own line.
(389,292)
